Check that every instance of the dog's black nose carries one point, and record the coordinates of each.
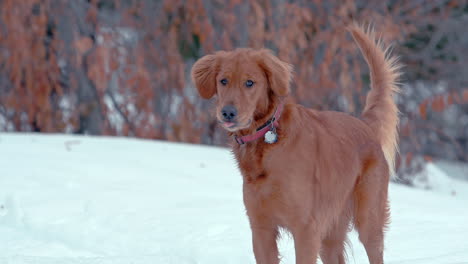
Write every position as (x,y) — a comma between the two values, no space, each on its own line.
(229,113)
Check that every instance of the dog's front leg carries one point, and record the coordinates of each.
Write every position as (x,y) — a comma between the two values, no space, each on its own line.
(307,245)
(264,245)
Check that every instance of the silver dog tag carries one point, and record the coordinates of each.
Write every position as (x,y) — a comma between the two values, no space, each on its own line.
(271,137)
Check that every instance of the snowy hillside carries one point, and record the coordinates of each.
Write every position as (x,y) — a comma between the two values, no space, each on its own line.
(68,199)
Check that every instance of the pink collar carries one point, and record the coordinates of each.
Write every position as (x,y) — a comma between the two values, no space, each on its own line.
(262,130)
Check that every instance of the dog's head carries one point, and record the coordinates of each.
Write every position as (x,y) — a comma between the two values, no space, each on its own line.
(244,81)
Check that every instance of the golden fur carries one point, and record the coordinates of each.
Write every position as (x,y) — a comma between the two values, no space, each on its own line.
(327,171)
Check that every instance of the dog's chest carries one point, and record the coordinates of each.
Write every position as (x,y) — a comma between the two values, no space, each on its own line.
(262,185)
(253,162)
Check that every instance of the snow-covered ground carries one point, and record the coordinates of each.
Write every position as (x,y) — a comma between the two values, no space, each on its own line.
(68,199)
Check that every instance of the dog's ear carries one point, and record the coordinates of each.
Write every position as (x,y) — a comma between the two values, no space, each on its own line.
(204,73)
(278,73)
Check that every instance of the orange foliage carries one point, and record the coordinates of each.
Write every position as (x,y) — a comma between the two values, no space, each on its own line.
(31,65)
(120,67)
(423,110)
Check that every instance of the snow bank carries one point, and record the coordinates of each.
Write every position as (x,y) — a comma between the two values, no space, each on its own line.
(70,199)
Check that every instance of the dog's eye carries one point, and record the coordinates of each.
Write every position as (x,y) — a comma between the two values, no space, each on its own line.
(224,81)
(249,83)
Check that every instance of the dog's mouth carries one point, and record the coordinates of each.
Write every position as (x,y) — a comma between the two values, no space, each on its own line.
(228,124)
(234,126)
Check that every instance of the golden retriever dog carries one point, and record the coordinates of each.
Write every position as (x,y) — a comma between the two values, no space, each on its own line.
(313,173)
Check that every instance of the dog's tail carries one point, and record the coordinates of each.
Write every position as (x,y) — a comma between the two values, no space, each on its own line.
(380,112)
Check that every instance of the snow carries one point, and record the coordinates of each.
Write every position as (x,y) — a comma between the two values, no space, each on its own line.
(79,199)
(440,179)
(453,169)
